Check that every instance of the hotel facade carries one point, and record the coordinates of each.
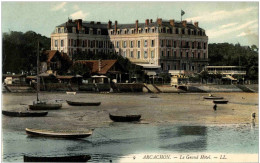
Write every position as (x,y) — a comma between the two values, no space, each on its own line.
(165,44)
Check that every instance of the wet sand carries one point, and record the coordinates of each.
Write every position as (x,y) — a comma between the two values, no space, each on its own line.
(186,109)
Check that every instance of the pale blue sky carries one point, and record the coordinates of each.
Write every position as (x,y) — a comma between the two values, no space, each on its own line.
(231,22)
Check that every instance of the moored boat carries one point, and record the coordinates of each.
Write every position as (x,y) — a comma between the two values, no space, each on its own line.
(76,158)
(220,101)
(212,97)
(74,103)
(44,106)
(71,93)
(126,118)
(59,134)
(24,113)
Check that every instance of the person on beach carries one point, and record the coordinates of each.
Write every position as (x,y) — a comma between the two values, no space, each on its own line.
(215,107)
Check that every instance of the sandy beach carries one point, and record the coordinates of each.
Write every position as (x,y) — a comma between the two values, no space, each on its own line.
(186,108)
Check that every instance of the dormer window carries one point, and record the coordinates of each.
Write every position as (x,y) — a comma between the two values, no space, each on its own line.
(73,29)
(99,32)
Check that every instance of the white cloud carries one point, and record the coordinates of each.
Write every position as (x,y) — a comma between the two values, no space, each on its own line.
(59,6)
(213,33)
(79,15)
(220,15)
(76,7)
(228,25)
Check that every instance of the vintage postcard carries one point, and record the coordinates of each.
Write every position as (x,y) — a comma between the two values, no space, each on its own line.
(119,81)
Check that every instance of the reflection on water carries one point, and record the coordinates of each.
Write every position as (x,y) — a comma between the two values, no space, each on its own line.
(187,138)
(120,139)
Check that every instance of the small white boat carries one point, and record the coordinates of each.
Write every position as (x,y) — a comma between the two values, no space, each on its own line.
(71,93)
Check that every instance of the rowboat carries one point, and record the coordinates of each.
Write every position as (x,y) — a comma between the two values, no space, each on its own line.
(76,158)
(71,93)
(24,113)
(126,118)
(44,106)
(73,103)
(212,97)
(59,134)
(220,101)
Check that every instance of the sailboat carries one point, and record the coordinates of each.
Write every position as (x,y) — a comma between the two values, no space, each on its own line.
(38,104)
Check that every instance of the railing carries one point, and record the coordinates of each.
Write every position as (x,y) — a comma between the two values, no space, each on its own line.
(228,72)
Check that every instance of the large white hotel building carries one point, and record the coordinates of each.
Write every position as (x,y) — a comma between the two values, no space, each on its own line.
(167,44)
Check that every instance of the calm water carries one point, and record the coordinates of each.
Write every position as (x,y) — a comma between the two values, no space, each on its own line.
(118,140)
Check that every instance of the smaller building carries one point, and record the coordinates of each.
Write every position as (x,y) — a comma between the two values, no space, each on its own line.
(103,71)
(55,62)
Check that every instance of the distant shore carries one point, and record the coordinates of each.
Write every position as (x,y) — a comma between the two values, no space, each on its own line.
(134,87)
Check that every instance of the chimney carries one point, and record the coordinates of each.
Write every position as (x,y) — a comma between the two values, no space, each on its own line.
(159,21)
(184,23)
(79,24)
(196,24)
(92,22)
(109,24)
(151,20)
(172,22)
(136,25)
(98,23)
(147,22)
(99,65)
(116,25)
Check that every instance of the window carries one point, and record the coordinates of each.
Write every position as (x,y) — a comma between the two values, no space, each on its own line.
(139,44)
(168,67)
(111,32)
(152,54)
(145,54)
(175,54)
(168,53)
(132,44)
(152,44)
(75,43)
(61,43)
(162,53)
(124,54)
(124,44)
(161,43)
(132,54)
(138,54)
(192,55)
(56,43)
(118,32)
(187,54)
(117,44)
(204,55)
(198,55)
(59,30)
(145,43)
(152,30)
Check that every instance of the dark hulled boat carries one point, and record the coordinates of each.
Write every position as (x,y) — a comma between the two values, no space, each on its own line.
(24,113)
(220,101)
(44,106)
(126,118)
(77,158)
(73,103)
(212,97)
(58,134)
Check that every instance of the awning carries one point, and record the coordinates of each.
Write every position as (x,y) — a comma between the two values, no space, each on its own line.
(101,76)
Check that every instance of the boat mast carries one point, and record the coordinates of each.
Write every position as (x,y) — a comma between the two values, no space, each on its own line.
(38,80)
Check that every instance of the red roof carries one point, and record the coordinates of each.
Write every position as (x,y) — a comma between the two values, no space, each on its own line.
(51,53)
(93,65)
